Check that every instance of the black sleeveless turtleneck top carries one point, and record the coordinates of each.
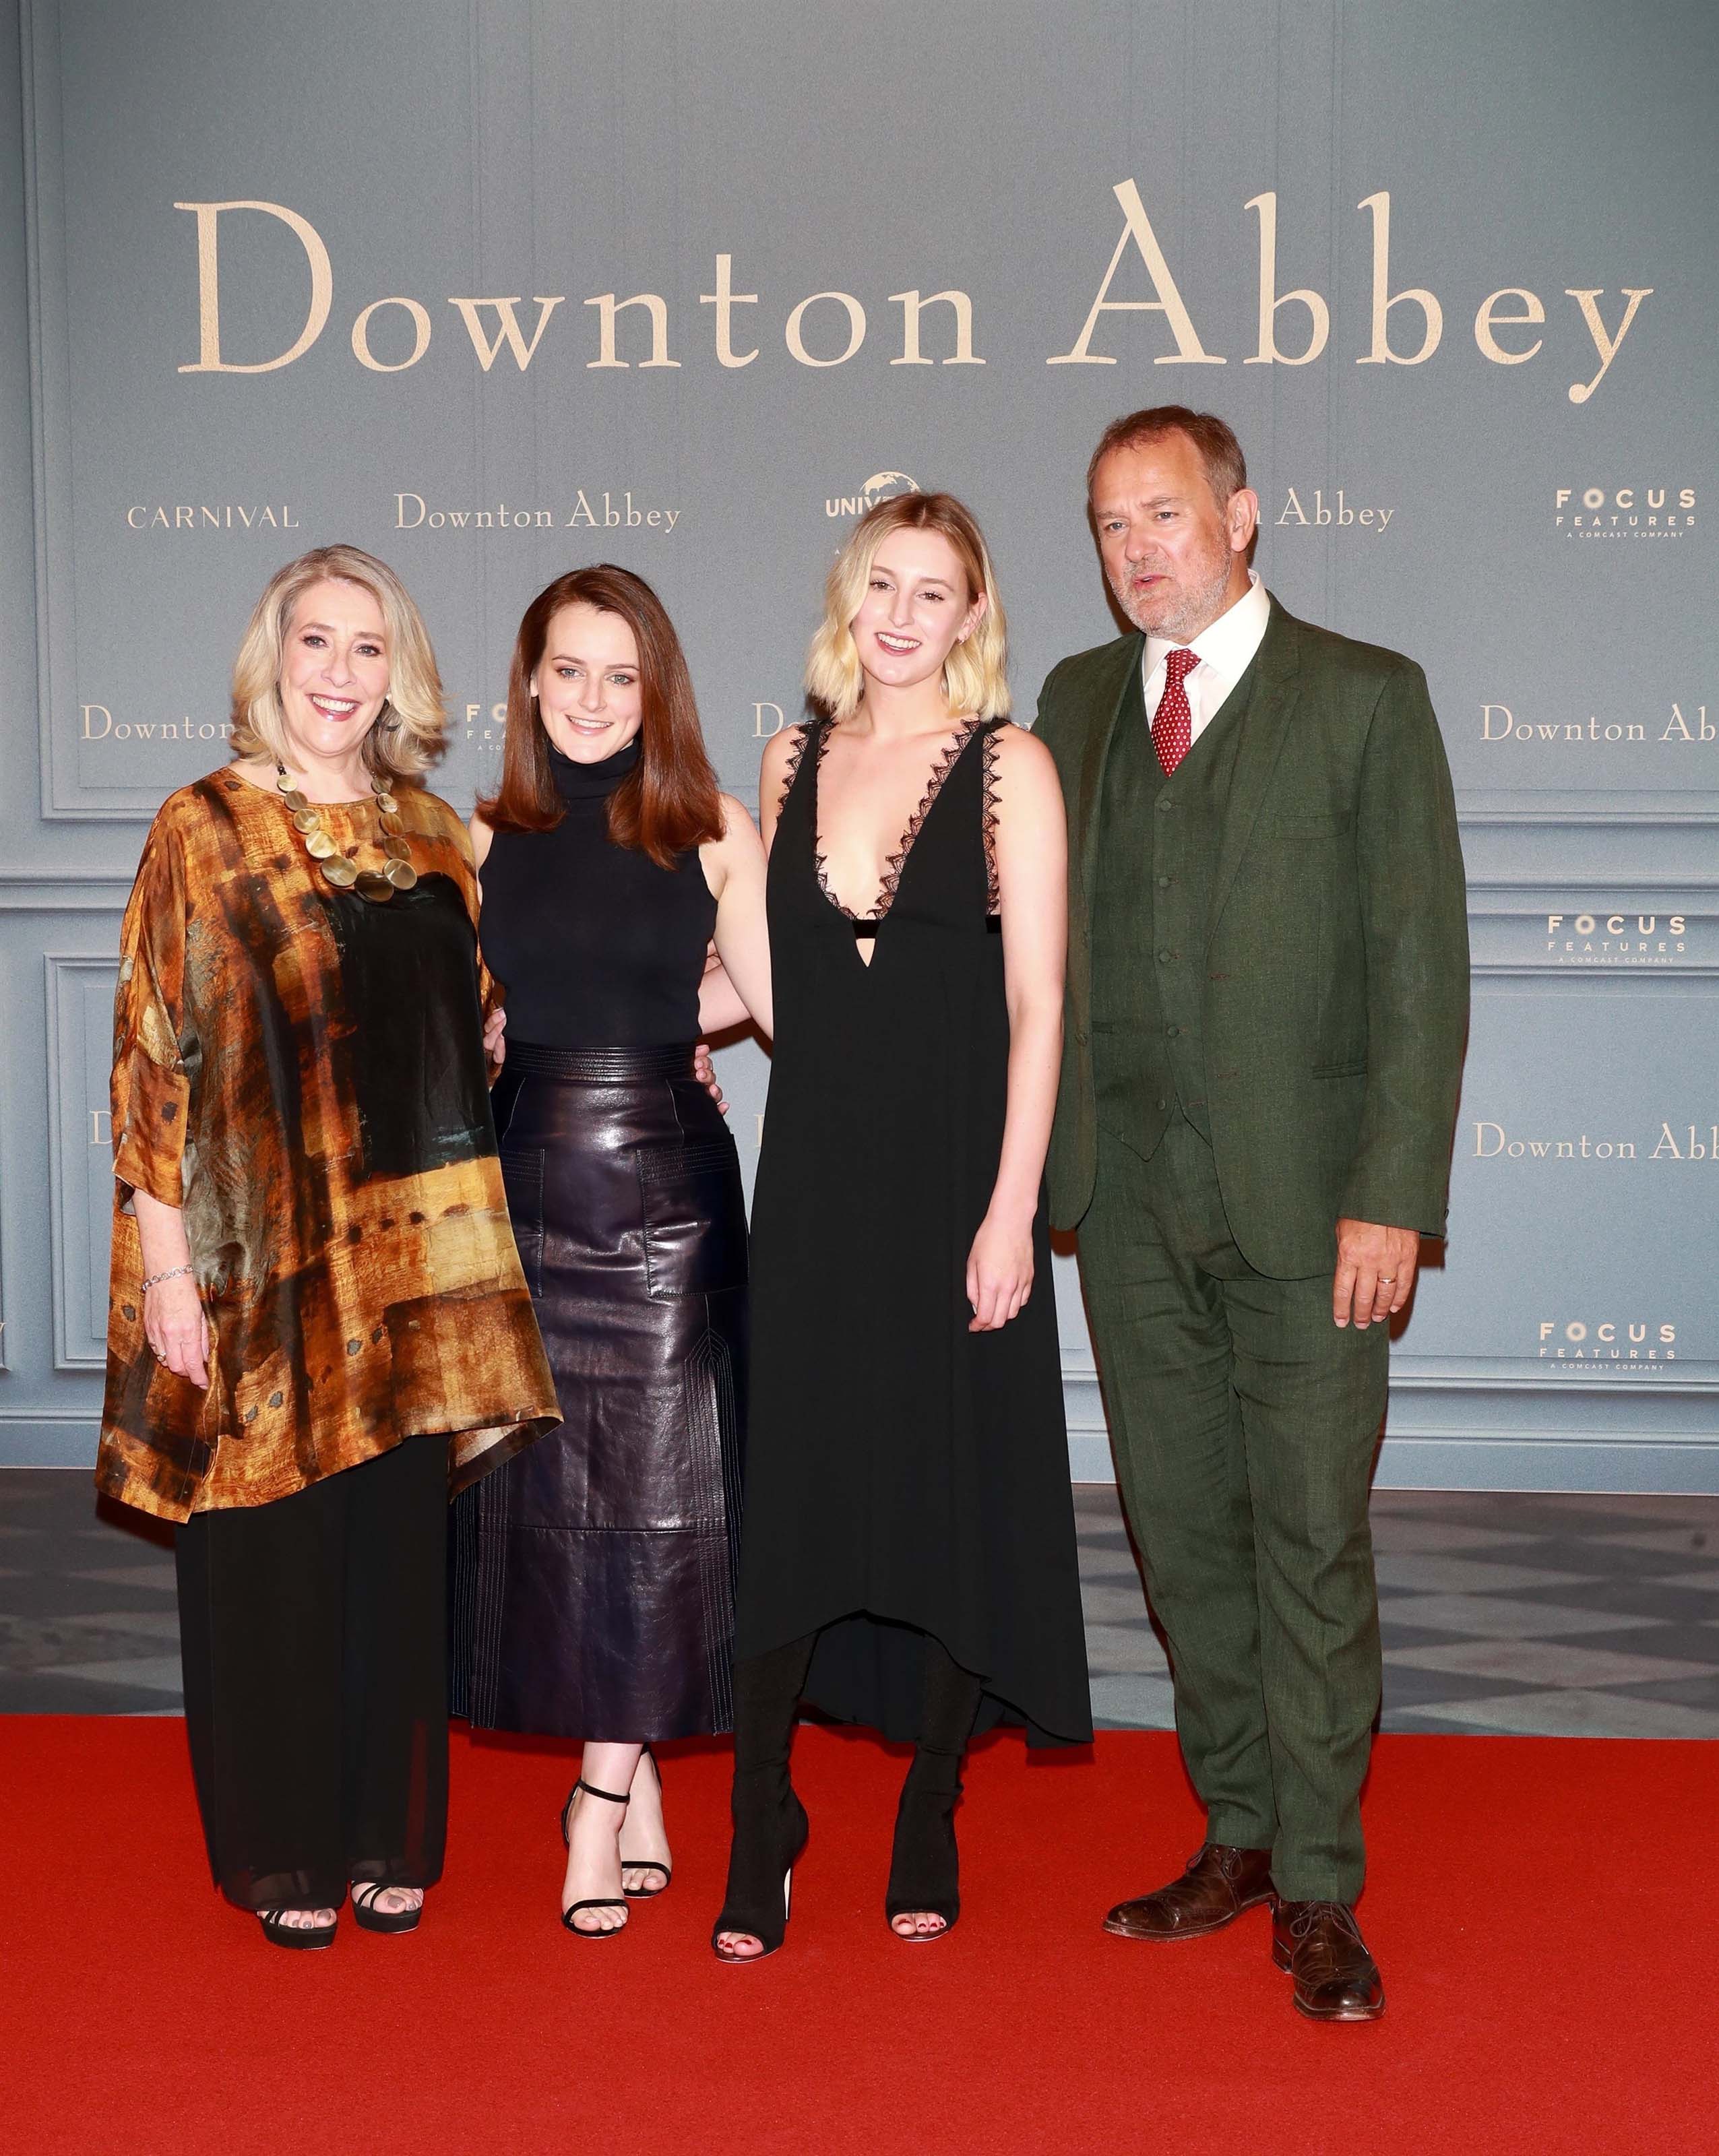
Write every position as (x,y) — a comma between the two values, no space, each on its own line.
(595,945)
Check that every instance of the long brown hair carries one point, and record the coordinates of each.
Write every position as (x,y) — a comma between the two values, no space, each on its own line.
(669,801)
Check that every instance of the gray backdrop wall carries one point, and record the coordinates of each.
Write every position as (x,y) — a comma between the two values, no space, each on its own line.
(493,287)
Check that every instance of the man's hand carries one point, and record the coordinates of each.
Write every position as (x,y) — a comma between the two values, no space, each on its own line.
(495,1046)
(1375,1271)
(705,1073)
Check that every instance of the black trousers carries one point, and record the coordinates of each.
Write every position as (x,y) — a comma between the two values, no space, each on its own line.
(313,1632)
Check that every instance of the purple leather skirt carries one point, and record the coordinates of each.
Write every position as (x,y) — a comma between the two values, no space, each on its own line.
(592,1576)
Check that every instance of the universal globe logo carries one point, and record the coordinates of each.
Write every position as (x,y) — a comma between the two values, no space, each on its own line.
(879,487)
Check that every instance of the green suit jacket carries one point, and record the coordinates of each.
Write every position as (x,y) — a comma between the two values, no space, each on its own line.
(1336,996)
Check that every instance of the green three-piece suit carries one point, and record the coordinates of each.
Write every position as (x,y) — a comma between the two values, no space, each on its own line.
(1267,997)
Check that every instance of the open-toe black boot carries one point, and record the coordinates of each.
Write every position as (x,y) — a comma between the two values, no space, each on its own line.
(925,1868)
(770,1824)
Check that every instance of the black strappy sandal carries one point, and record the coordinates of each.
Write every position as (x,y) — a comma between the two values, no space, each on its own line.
(369,1918)
(597,1901)
(647,1863)
(306,1937)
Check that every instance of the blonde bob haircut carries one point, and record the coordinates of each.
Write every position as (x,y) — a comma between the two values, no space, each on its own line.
(975,674)
(407,736)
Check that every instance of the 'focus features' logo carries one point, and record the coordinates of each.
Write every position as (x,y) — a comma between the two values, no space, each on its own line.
(1612,1343)
(1624,512)
(879,487)
(1616,939)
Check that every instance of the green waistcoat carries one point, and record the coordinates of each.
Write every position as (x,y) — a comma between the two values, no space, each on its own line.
(1155,873)
(1317,926)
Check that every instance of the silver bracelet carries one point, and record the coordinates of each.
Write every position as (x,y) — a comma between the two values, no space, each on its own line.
(173,1272)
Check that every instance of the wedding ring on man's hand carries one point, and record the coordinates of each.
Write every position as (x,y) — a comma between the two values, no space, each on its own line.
(1388,1279)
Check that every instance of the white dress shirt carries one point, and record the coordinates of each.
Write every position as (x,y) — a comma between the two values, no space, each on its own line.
(1226,650)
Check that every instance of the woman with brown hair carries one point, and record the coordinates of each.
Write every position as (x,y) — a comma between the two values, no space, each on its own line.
(593,1590)
(909,1553)
(318,1319)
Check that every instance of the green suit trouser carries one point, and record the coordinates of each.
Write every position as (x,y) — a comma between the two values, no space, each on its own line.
(1244,1423)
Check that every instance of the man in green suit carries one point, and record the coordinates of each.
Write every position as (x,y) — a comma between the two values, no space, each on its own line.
(1267,998)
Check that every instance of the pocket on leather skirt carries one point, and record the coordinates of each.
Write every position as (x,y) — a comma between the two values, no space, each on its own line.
(694,1211)
(522,1180)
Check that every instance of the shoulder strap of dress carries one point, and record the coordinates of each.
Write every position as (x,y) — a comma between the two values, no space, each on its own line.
(990,748)
(796,758)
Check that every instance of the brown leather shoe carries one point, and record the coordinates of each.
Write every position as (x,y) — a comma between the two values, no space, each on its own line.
(1320,1945)
(1217,1885)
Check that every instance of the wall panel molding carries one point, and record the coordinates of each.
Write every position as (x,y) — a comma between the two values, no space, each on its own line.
(1455,1432)
(59,890)
(79,992)
(1567,807)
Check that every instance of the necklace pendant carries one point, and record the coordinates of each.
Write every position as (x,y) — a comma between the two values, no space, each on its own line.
(339,869)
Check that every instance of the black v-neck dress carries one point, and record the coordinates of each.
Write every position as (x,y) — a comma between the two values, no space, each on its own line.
(904,1477)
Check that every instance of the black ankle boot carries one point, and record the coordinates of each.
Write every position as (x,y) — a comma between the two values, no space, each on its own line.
(925,1868)
(770,1830)
(769,1819)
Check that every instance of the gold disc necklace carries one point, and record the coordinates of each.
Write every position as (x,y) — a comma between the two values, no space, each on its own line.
(340,869)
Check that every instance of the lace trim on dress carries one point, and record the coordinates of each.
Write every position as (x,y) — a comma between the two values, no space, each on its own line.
(993,892)
(790,770)
(895,862)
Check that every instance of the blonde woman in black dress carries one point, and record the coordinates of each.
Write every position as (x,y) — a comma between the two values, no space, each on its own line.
(908,1551)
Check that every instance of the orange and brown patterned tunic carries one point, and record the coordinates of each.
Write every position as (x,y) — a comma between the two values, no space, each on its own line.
(302,1072)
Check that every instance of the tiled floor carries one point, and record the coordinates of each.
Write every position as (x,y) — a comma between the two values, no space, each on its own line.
(89,1622)
(1536,1615)
(1549,1616)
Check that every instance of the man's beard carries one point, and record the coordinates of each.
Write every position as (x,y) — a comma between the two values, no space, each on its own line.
(1194,611)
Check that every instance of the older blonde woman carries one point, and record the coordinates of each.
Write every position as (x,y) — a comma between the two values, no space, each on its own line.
(318,1315)
(908,1554)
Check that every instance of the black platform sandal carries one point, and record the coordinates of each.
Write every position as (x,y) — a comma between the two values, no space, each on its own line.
(925,1866)
(304,1938)
(598,1902)
(770,1832)
(647,1863)
(369,1918)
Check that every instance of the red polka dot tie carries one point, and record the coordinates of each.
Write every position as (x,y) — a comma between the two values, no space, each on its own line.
(1173,728)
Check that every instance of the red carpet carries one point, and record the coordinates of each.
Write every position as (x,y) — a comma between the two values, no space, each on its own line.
(1544,1913)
